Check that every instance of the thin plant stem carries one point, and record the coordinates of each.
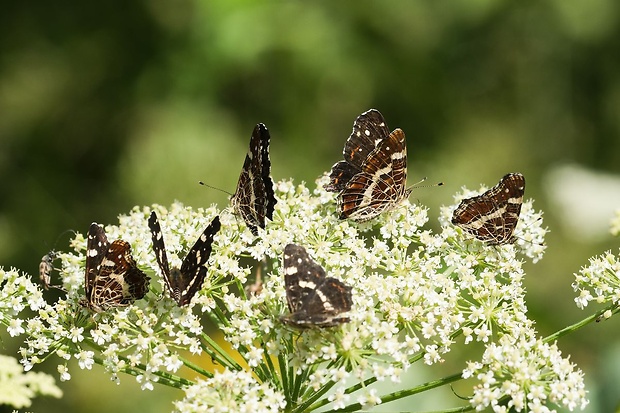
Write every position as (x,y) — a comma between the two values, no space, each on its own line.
(196,368)
(308,406)
(226,360)
(285,378)
(574,327)
(406,393)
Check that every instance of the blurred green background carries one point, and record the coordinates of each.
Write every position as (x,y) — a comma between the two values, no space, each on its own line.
(104,106)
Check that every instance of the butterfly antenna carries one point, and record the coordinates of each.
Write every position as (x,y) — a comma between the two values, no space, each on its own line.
(417,184)
(213,187)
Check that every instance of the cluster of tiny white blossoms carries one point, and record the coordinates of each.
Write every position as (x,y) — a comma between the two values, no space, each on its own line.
(17,292)
(490,278)
(391,294)
(231,391)
(520,374)
(599,281)
(518,370)
(415,295)
(17,388)
(529,234)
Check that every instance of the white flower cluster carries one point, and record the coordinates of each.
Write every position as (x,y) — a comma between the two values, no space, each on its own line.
(17,292)
(231,391)
(144,338)
(525,375)
(414,292)
(17,388)
(415,295)
(599,281)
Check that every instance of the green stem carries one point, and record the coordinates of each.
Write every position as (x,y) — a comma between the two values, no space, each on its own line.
(574,327)
(215,358)
(273,374)
(371,380)
(264,373)
(406,393)
(300,380)
(455,410)
(285,379)
(221,317)
(317,395)
(163,378)
(241,289)
(295,383)
(196,368)
(224,358)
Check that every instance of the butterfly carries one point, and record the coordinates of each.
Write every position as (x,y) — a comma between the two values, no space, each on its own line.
(254,198)
(493,216)
(112,277)
(314,300)
(372,178)
(185,282)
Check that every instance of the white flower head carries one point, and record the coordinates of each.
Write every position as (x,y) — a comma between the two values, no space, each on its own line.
(525,374)
(415,295)
(231,391)
(18,388)
(599,281)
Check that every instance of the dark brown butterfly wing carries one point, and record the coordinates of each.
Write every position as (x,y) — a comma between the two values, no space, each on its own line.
(493,216)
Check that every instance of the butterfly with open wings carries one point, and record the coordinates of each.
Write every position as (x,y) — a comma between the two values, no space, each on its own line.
(183,283)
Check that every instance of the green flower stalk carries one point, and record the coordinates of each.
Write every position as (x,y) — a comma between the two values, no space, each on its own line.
(416,295)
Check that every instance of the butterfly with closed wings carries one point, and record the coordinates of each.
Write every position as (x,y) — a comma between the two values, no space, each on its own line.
(254,198)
